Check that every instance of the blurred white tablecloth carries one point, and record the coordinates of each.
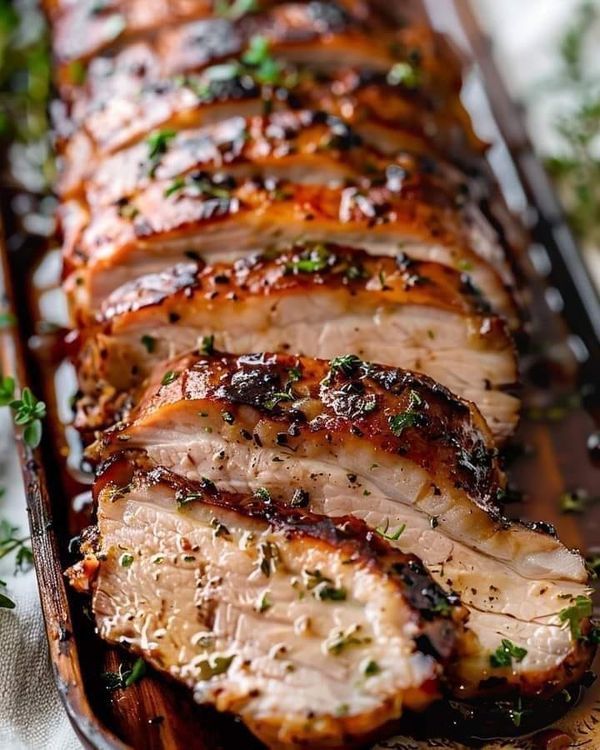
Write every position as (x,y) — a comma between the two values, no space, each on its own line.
(31,714)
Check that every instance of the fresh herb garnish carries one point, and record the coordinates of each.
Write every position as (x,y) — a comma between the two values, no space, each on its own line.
(264,603)
(311,261)
(517,712)
(126,560)
(125,677)
(344,639)
(262,493)
(149,343)
(505,653)
(158,143)
(346,364)
(371,668)
(409,418)
(214,665)
(169,377)
(269,558)
(234,9)
(208,345)
(322,586)
(580,609)
(390,536)
(219,529)
(404,74)
(266,69)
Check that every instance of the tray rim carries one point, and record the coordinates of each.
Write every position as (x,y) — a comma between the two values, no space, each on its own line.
(571,273)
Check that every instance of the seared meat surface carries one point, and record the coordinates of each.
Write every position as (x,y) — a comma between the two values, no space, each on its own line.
(311,629)
(320,301)
(397,450)
(218,219)
(310,538)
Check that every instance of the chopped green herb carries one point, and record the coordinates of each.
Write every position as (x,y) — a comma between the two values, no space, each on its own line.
(371,668)
(269,558)
(213,666)
(169,377)
(220,530)
(185,499)
(77,72)
(408,418)
(177,185)
(346,364)
(235,9)
(228,417)
(126,560)
(263,603)
(262,493)
(158,143)
(580,609)
(125,677)
(137,672)
(265,69)
(311,261)
(208,345)
(404,74)
(517,713)
(149,343)
(505,653)
(391,536)
(344,639)
(322,586)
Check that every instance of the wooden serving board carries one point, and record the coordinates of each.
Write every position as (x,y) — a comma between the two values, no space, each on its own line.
(561,385)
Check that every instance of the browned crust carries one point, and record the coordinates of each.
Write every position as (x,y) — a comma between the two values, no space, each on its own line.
(281,140)
(449,437)
(379,280)
(416,209)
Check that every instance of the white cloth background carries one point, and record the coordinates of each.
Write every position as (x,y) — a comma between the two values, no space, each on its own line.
(31,714)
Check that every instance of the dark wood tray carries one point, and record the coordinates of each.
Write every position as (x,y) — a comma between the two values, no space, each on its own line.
(561,375)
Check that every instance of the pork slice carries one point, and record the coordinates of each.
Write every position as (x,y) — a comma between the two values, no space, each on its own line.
(316,632)
(226,221)
(402,453)
(318,301)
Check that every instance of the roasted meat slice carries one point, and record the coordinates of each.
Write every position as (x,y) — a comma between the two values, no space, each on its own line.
(320,301)
(301,146)
(315,631)
(218,219)
(399,451)
(119,110)
(85,29)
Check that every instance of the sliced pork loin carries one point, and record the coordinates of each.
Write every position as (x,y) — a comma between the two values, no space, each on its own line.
(190,37)
(315,631)
(321,301)
(218,219)
(399,451)
(122,109)
(298,145)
